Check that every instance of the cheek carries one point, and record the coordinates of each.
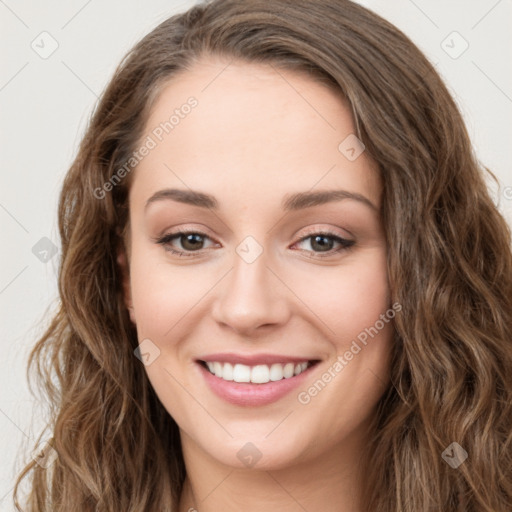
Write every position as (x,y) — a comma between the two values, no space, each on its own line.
(349,298)
(154,304)
(162,293)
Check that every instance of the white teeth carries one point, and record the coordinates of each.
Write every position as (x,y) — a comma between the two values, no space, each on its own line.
(227,371)
(288,370)
(276,372)
(259,374)
(241,373)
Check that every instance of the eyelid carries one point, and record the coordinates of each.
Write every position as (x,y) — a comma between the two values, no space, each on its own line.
(317,230)
(186,230)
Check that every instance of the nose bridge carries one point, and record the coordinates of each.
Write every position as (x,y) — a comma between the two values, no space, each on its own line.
(251,295)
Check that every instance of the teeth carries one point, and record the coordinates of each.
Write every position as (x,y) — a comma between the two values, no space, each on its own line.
(227,372)
(288,370)
(259,374)
(241,373)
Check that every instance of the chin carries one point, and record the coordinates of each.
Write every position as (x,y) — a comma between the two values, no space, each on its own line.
(259,451)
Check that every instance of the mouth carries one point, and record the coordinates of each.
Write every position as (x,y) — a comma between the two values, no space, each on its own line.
(256,374)
(257,380)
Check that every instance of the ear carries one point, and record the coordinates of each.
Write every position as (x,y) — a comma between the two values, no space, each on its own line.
(124,266)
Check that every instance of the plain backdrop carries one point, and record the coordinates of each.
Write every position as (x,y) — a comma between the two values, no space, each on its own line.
(45,101)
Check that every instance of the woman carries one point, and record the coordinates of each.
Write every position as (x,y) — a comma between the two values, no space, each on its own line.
(284,283)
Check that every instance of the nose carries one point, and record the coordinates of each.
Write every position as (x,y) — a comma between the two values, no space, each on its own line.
(251,298)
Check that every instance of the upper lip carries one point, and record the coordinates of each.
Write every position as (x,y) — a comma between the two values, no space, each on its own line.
(253,359)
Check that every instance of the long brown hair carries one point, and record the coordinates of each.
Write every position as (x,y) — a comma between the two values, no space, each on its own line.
(449,265)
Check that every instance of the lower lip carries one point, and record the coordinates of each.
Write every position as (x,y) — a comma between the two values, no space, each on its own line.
(247,394)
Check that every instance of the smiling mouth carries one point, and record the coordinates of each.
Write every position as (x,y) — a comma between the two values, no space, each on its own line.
(256,374)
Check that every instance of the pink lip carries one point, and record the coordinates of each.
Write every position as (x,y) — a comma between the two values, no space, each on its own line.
(252,359)
(250,395)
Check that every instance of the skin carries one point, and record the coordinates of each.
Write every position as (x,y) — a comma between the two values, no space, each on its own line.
(256,136)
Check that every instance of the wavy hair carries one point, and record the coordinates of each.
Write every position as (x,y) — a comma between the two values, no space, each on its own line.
(449,265)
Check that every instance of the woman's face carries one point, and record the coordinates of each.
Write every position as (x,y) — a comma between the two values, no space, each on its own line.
(284,263)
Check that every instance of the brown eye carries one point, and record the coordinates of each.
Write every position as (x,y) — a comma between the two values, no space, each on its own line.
(189,242)
(323,244)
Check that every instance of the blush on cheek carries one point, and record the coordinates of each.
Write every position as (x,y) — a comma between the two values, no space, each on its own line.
(354,303)
(162,298)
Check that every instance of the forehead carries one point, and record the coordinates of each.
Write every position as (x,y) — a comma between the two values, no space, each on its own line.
(254,129)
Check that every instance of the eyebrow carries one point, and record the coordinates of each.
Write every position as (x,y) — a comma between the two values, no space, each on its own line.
(292,202)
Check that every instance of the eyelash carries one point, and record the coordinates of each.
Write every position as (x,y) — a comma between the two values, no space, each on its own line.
(166,239)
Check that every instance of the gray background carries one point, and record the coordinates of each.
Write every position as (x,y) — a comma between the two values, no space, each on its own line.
(45,101)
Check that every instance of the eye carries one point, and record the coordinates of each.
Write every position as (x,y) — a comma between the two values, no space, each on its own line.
(322,244)
(190,241)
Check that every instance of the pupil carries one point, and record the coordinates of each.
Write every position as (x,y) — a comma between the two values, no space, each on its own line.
(194,240)
(318,240)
